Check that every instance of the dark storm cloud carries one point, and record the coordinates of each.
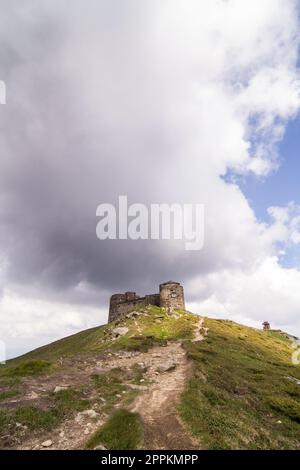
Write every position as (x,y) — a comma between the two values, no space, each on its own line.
(77,132)
(154,100)
(111,98)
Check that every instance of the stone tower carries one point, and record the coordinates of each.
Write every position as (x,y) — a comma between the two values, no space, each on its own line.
(170,296)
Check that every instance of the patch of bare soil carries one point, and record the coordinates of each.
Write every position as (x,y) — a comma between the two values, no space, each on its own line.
(157,406)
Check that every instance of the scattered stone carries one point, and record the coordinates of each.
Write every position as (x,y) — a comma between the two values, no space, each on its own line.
(118,395)
(141,388)
(32,396)
(60,388)
(166,366)
(133,314)
(22,427)
(86,413)
(100,447)
(120,331)
(86,431)
(279,422)
(142,380)
(47,443)
(62,434)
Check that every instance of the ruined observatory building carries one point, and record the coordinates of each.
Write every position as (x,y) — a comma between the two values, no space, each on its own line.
(171,296)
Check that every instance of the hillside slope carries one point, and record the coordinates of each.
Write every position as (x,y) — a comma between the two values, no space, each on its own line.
(161,381)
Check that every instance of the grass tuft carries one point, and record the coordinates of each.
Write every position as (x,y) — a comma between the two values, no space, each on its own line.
(35,418)
(30,367)
(8,394)
(68,401)
(123,431)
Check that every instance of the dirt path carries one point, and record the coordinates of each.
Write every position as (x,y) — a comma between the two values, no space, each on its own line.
(159,395)
(157,406)
(200,331)
(157,401)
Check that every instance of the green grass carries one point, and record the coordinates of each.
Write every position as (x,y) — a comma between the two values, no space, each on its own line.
(287,406)
(111,384)
(30,416)
(35,418)
(136,373)
(5,419)
(67,401)
(123,431)
(85,341)
(139,343)
(239,396)
(27,368)
(8,394)
(155,327)
(63,405)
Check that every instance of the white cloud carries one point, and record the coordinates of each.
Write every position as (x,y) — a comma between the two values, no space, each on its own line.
(266,292)
(28,321)
(156,100)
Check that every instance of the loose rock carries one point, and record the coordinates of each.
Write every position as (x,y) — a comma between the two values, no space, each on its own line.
(47,443)
(86,413)
(141,388)
(166,366)
(60,388)
(120,331)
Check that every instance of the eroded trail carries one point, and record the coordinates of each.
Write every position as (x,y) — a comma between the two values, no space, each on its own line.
(159,395)
(166,372)
(157,406)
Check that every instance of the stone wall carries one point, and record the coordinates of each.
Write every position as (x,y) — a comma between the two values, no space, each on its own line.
(170,296)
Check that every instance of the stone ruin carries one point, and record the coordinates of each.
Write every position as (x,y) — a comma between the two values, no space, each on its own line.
(171,296)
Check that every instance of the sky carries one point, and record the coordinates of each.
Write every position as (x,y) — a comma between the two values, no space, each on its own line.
(164,101)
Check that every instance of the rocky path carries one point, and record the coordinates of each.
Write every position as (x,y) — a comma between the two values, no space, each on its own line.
(157,406)
(167,370)
(200,331)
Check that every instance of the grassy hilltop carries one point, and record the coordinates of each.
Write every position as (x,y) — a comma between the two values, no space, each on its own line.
(241,389)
